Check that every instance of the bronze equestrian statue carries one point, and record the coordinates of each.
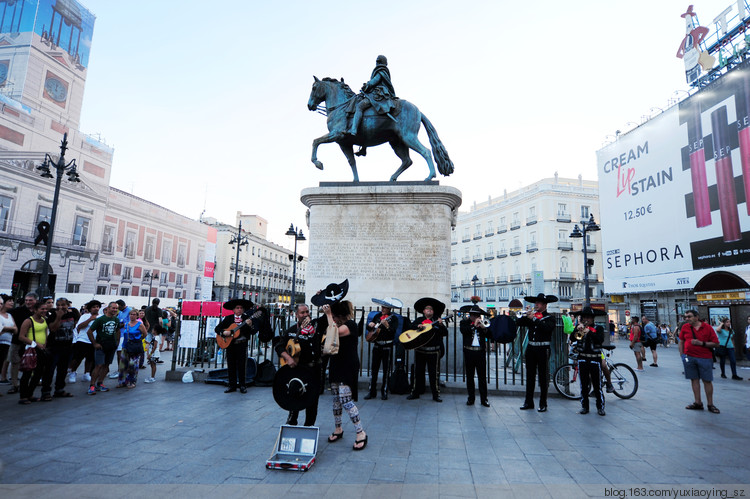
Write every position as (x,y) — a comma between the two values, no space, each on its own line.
(378,117)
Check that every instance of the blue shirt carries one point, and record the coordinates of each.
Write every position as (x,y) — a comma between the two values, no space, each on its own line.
(650,330)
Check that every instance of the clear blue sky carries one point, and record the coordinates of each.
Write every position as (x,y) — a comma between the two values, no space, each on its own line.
(207,100)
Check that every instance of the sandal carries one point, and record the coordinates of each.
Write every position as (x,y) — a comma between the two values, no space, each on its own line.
(46,397)
(24,401)
(34,399)
(13,390)
(695,406)
(335,436)
(62,394)
(363,442)
(130,385)
(712,408)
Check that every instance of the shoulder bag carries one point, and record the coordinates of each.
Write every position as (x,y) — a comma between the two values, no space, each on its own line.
(331,343)
(29,360)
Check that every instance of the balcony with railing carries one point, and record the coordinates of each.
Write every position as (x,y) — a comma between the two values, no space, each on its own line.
(515,278)
(465,259)
(502,279)
(502,229)
(515,224)
(489,280)
(465,282)
(465,239)
(516,250)
(563,217)
(502,253)
(489,233)
(454,261)
(565,245)
(477,258)
(591,248)
(567,276)
(489,255)
(531,247)
(531,220)
(477,235)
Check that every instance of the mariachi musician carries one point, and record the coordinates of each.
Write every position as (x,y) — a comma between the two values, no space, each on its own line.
(540,326)
(303,340)
(236,352)
(428,355)
(587,339)
(475,335)
(381,331)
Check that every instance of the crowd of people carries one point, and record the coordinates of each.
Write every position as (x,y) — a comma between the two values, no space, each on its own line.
(47,340)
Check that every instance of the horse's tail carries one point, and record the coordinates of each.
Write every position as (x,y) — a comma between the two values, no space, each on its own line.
(444,163)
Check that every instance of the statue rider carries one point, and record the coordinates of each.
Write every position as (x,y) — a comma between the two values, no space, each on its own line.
(378,93)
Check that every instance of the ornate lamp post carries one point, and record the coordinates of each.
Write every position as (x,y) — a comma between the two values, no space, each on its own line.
(590,226)
(47,230)
(240,241)
(297,234)
(150,275)
(475,295)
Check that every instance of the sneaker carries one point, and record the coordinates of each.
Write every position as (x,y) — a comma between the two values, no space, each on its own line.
(114,375)
(610,388)
(102,388)
(92,390)
(149,380)
(639,370)
(71,378)
(4,382)
(86,377)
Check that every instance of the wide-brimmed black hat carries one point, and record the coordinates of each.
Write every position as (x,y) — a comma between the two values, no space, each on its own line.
(246,304)
(294,388)
(389,302)
(473,309)
(437,306)
(589,312)
(542,298)
(333,293)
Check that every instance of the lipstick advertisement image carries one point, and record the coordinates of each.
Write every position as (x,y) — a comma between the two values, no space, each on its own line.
(743,125)
(698,168)
(730,222)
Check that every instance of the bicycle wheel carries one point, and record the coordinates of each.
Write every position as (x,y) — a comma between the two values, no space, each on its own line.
(566,382)
(624,380)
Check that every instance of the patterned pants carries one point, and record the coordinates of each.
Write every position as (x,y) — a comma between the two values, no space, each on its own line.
(129,365)
(342,399)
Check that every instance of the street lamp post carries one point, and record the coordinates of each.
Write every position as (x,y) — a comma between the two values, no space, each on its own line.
(150,274)
(474,282)
(297,234)
(46,231)
(586,227)
(240,241)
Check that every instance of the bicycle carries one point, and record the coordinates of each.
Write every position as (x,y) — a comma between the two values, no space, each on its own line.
(623,377)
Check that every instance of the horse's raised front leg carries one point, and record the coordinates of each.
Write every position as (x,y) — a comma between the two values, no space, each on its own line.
(348,150)
(325,139)
(402,151)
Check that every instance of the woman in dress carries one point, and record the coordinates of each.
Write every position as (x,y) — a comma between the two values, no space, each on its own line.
(343,371)
(132,350)
(726,348)
(34,333)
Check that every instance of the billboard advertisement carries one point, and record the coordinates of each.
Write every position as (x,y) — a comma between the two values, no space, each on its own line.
(208,266)
(673,192)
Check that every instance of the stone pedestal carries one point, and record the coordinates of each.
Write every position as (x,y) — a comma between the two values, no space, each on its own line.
(387,238)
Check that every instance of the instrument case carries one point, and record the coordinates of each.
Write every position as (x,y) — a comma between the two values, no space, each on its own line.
(295,449)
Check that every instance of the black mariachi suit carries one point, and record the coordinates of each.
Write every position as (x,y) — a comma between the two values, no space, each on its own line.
(537,356)
(590,367)
(428,355)
(309,356)
(475,358)
(236,352)
(382,349)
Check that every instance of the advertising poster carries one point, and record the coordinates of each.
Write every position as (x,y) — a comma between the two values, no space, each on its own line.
(208,266)
(673,192)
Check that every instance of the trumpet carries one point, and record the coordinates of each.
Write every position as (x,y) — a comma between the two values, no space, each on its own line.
(579,332)
(485,323)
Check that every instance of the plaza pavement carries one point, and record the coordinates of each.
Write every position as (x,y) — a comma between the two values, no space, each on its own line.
(196,441)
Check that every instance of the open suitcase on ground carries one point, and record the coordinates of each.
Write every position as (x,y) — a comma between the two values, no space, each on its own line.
(296,447)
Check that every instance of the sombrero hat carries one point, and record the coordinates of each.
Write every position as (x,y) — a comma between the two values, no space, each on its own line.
(389,302)
(542,298)
(294,388)
(589,312)
(437,306)
(246,304)
(473,309)
(333,293)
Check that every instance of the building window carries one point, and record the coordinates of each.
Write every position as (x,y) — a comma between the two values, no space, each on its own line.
(144,292)
(73,288)
(108,240)
(104,270)
(200,260)
(562,209)
(179,280)
(489,227)
(130,245)
(43,214)
(166,252)
(81,231)
(125,292)
(149,249)
(198,281)
(5,204)
(181,255)
(127,274)
(584,212)
(563,264)
(113,289)
(162,294)
(101,290)
(178,294)
(163,279)
(562,236)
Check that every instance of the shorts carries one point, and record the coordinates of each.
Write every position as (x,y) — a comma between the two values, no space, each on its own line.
(82,351)
(651,343)
(697,368)
(104,356)
(637,346)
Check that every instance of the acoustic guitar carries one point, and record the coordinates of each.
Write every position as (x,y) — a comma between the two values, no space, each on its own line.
(293,349)
(234,330)
(372,336)
(414,338)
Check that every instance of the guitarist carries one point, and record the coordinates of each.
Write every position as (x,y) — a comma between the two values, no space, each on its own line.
(304,334)
(236,352)
(428,355)
(380,332)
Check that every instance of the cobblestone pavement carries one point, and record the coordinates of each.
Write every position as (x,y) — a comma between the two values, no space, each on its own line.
(175,433)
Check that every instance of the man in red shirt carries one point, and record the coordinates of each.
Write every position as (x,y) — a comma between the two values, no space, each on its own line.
(696,341)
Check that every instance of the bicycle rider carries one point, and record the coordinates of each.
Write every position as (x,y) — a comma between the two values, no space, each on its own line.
(589,348)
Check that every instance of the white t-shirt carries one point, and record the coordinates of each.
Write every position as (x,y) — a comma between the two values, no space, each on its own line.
(82,336)
(7,335)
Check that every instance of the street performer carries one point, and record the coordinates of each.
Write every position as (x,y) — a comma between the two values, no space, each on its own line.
(428,355)
(475,336)
(236,352)
(304,335)
(540,326)
(381,331)
(589,349)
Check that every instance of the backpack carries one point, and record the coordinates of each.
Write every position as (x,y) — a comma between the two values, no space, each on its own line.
(266,373)
(503,329)
(398,383)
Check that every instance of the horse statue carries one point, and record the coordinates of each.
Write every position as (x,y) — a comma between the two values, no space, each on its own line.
(400,131)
